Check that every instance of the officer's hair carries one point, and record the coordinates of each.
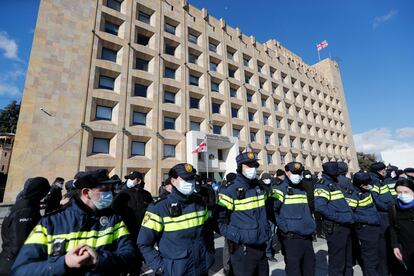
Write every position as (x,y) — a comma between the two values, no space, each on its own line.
(59,179)
(239,169)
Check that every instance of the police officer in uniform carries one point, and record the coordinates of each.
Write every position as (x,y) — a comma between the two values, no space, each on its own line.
(390,180)
(337,220)
(177,225)
(295,222)
(409,172)
(382,198)
(367,221)
(242,219)
(85,238)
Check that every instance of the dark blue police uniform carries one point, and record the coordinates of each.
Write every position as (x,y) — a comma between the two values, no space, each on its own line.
(243,220)
(338,217)
(177,225)
(295,224)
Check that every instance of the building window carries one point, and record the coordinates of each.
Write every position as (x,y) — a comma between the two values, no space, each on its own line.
(141,64)
(220,155)
(169,150)
(212,47)
(144,17)
(265,120)
(232,73)
(111,28)
(194,103)
(282,159)
(106,82)
(194,126)
(215,107)
(269,158)
(143,39)
(259,68)
(139,118)
(169,97)
(230,55)
(108,54)
(246,61)
(169,123)
(249,97)
(192,38)
(252,136)
(192,58)
(103,113)
(114,4)
(263,102)
(216,129)
(251,116)
(169,28)
(170,50)
(140,90)
(234,112)
(213,66)
(215,87)
(100,145)
(236,132)
(194,80)
(267,139)
(233,92)
(169,73)
(137,148)
(2,168)
(246,79)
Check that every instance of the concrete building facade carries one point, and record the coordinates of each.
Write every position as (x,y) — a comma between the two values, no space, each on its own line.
(136,84)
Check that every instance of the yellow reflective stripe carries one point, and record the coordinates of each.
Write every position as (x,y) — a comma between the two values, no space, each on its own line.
(375,189)
(322,193)
(186,221)
(278,194)
(351,202)
(384,189)
(37,236)
(296,199)
(366,201)
(393,192)
(249,203)
(152,221)
(225,201)
(337,196)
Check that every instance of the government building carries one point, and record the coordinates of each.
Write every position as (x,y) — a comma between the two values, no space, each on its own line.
(138,84)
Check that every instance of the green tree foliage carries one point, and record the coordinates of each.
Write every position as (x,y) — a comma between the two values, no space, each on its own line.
(8,117)
(365,160)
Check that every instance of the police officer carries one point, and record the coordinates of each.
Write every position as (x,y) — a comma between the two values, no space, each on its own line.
(382,198)
(409,172)
(295,222)
(177,225)
(367,221)
(390,180)
(337,219)
(85,238)
(242,219)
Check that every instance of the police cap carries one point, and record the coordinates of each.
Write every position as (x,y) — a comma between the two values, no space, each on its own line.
(247,158)
(409,170)
(184,170)
(342,168)
(92,179)
(361,178)
(294,167)
(377,166)
(330,168)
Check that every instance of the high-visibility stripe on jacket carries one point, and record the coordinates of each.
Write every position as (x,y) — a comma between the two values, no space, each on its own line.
(363,206)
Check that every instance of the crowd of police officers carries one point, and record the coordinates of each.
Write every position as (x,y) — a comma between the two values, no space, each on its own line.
(175,234)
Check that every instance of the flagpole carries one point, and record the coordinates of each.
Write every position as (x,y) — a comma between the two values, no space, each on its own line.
(319,56)
(207,157)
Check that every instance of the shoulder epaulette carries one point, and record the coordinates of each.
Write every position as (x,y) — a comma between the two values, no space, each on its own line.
(61,209)
(159,199)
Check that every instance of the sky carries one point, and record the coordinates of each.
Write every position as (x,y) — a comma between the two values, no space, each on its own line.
(372,40)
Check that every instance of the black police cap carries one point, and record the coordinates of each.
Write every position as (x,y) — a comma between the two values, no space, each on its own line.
(246,158)
(294,167)
(377,166)
(184,170)
(361,178)
(330,168)
(92,179)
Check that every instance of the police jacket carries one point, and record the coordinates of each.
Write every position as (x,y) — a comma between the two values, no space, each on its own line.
(390,182)
(380,192)
(362,205)
(177,225)
(292,206)
(44,251)
(242,212)
(330,201)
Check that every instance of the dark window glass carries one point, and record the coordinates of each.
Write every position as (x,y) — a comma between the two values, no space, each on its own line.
(212,47)
(216,129)
(114,4)
(215,87)
(234,112)
(194,103)
(106,82)
(220,154)
(263,102)
(100,145)
(140,90)
(236,132)
(169,150)
(103,113)
(232,73)
(137,148)
(245,62)
(170,50)
(259,68)
(192,58)
(192,38)
(269,158)
(194,80)
(195,126)
(249,97)
(230,55)
(143,39)
(267,139)
(215,107)
(265,120)
(233,92)
(144,17)
(111,28)
(108,54)
(169,123)
(246,79)
(141,64)
(169,97)
(169,73)
(252,136)
(169,28)
(139,118)
(251,116)
(213,66)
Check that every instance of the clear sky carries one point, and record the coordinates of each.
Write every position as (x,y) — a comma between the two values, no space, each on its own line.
(372,40)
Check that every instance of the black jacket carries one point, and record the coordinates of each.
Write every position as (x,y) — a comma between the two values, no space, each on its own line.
(53,199)
(309,187)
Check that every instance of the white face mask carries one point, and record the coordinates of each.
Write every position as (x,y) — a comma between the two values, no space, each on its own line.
(130,183)
(60,185)
(266,181)
(186,187)
(393,174)
(405,198)
(295,178)
(250,173)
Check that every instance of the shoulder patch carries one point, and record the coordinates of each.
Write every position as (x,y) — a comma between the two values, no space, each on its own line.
(159,199)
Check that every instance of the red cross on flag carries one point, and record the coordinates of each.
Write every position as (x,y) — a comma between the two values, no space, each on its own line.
(202,147)
(322,45)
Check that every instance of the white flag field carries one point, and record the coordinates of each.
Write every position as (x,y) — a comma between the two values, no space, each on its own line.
(322,45)
(202,147)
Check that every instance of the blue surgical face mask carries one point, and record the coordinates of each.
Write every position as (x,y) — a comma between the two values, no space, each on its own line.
(186,187)
(104,201)
(405,198)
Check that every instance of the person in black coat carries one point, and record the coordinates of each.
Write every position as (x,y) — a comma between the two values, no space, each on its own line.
(53,198)
(24,215)
(401,215)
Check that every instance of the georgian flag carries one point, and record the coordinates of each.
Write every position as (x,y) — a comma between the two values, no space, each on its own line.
(322,45)
(202,147)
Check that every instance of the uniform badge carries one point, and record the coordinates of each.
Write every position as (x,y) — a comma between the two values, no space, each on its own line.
(297,166)
(188,168)
(318,192)
(146,218)
(58,247)
(104,221)
(250,155)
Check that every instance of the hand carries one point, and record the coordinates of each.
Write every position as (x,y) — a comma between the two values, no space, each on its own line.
(398,254)
(89,250)
(77,257)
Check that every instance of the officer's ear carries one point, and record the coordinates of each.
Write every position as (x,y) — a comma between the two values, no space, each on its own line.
(85,193)
(174,181)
